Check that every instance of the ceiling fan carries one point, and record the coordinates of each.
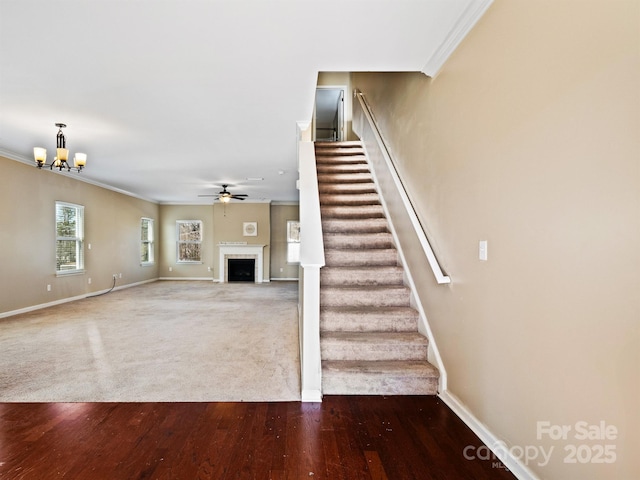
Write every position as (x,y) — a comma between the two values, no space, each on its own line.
(225,196)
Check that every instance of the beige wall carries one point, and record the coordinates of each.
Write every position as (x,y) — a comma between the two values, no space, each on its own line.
(280,214)
(229,219)
(168,265)
(530,138)
(27,236)
(112,227)
(223,223)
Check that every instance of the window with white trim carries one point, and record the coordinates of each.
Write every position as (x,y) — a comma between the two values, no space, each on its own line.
(293,241)
(69,238)
(146,241)
(189,244)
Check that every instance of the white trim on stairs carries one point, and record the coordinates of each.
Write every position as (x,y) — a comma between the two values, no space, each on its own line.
(377,156)
(496,445)
(311,261)
(416,301)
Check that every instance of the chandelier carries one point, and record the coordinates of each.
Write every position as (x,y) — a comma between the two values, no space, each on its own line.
(62,155)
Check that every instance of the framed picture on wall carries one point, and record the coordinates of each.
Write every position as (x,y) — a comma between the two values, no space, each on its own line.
(250,229)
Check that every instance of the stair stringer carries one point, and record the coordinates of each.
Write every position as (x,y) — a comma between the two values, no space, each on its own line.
(433,354)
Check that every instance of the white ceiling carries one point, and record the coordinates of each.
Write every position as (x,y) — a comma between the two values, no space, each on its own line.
(172,98)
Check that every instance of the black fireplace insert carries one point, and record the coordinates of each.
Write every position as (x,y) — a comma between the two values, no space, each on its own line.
(241,269)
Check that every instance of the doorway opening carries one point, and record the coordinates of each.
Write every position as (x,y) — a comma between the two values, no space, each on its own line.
(329,114)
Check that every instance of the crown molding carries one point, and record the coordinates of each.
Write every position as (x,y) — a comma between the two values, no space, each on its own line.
(8,154)
(470,16)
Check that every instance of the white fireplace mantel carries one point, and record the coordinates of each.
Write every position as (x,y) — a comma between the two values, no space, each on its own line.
(238,251)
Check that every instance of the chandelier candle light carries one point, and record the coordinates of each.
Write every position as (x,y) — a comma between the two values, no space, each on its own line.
(60,161)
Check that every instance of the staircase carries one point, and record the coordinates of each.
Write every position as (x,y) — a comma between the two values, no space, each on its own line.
(369,339)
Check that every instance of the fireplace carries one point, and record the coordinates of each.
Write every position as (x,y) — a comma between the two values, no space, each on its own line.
(240,251)
(241,270)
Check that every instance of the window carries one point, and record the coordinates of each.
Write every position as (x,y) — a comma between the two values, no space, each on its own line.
(69,238)
(189,233)
(146,241)
(293,241)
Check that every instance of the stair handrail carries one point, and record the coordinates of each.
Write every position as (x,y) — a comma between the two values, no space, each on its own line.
(311,261)
(440,277)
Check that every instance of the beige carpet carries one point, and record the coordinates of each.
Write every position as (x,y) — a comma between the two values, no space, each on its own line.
(165,341)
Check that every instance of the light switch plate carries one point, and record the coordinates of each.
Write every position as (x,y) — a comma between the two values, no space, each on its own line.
(483,252)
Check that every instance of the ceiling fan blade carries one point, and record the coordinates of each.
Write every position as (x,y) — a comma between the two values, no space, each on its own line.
(226,194)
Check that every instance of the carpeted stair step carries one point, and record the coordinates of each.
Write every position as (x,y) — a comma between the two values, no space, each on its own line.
(379,378)
(352,211)
(327,199)
(344,178)
(372,225)
(338,149)
(343,144)
(347,188)
(352,257)
(358,241)
(361,275)
(350,167)
(339,152)
(370,342)
(380,319)
(365,296)
(323,163)
(373,346)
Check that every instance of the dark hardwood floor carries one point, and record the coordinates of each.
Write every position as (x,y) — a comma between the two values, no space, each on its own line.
(341,438)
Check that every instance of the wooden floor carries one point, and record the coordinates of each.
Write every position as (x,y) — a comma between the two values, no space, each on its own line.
(393,438)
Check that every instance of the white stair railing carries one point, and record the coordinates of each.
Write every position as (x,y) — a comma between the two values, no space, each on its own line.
(311,261)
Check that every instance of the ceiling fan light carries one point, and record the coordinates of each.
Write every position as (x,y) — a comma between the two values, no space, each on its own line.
(225,198)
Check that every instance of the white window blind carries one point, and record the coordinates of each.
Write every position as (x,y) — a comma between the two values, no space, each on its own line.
(189,244)
(147,245)
(69,238)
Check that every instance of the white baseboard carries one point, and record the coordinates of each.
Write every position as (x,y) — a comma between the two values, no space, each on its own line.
(312,396)
(495,444)
(206,279)
(40,306)
(216,280)
(293,279)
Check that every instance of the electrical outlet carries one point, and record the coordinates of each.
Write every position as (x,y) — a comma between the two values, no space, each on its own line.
(89,281)
(119,275)
(48,288)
